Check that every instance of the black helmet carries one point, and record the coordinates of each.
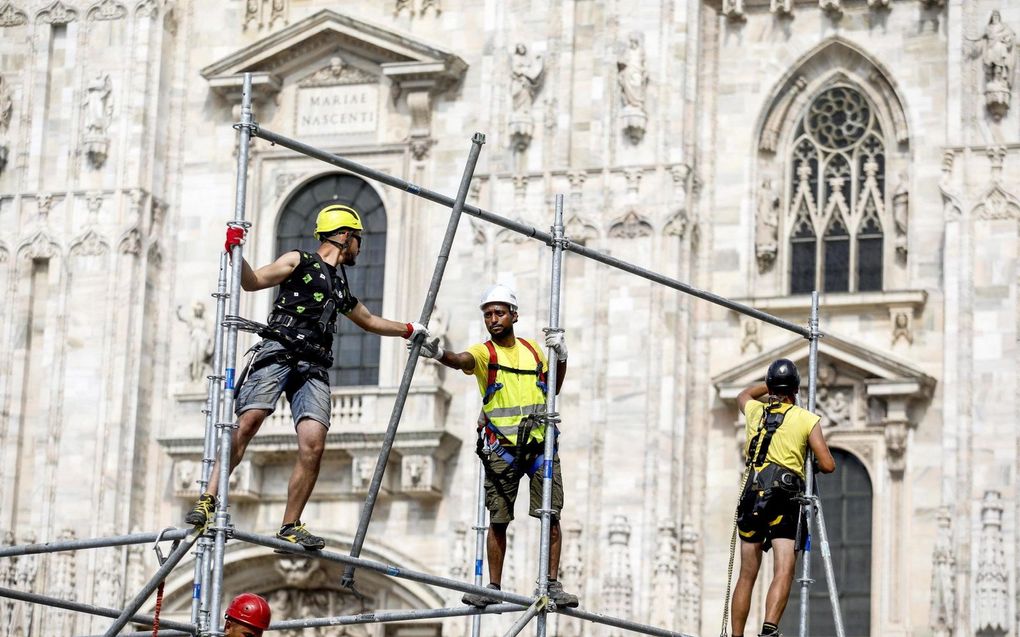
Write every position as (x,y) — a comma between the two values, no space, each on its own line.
(782,379)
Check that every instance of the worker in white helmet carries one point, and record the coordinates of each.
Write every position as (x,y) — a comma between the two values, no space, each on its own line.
(511,375)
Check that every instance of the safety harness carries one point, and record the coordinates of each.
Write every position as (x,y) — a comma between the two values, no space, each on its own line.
(489,436)
(768,481)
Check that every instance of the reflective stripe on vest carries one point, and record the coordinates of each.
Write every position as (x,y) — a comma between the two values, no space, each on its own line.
(505,412)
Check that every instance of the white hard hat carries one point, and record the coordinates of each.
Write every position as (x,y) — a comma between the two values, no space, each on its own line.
(499,293)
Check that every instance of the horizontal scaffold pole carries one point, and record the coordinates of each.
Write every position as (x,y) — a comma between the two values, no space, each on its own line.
(383,616)
(141,620)
(90,543)
(526,230)
(385,569)
(148,633)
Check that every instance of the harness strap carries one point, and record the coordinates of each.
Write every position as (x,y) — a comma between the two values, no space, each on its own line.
(491,386)
(759,447)
(491,442)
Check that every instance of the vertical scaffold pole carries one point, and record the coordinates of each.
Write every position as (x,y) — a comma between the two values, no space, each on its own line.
(347,580)
(552,417)
(480,537)
(805,580)
(226,422)
(199,596)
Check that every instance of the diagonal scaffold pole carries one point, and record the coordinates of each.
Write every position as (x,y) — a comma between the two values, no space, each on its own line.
(526,230)
(91,543)
(203,553)
(100,611)
(347,580)
(225,410)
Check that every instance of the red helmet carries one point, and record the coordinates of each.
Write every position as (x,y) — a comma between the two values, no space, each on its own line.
(250,609)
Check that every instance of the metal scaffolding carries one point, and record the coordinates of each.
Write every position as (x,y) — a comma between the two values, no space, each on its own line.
(210,543)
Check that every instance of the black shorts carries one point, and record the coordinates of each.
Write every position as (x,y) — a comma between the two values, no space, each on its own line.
(763,516)
(778,522)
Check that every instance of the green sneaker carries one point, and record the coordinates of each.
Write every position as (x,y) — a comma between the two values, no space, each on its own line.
(299,534)
(202,512)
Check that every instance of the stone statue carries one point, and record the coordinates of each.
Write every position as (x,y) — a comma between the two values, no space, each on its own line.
(200,345)
(6,108)
(526,73)
(943,584)
(901,206)
(766,240)
(633,79)
(998,56)
(98,108)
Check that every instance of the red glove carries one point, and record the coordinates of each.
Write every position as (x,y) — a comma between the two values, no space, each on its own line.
(235,237)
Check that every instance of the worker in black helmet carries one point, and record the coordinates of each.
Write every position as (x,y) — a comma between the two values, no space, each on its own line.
(778,436)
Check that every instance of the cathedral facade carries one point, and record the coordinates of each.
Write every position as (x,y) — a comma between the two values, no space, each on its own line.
(759,149)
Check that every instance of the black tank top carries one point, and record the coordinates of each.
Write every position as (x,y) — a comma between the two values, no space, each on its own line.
(304,296)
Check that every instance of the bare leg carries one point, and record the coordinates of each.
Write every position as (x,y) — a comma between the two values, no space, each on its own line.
(248,425)
(496,551)
(555,543)
(750,562)
(311,443)
(785,562)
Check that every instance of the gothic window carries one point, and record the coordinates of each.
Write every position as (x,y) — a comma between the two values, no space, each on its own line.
(355,352)
(846,503)
(837,195)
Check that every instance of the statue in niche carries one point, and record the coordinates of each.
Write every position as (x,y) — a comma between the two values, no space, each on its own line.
(633,79)
(200,341)
(526,73)
(98,107)
(901,206)
(766,240)
(998,56)
(6,109)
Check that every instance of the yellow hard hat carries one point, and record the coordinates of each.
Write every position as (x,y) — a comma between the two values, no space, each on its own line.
(335,216)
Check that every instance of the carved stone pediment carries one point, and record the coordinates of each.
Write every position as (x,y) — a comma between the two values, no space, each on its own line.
(399,56)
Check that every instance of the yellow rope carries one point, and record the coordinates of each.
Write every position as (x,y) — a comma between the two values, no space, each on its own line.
(723,632)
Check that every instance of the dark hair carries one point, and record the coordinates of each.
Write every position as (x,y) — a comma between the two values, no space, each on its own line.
(332,233)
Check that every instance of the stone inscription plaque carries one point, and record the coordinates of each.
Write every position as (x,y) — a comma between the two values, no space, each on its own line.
(338,110)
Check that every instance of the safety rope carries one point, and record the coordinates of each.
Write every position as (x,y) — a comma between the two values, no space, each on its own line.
(159,605)
(733,552)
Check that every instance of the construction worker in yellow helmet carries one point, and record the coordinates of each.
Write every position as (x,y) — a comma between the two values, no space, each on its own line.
(511,375)
(296,353)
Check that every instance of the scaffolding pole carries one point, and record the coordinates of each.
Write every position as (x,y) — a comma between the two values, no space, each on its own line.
(91,543)
(538,607)
(385,616)
(625,624)
(347,580)
(480,529)
(79,607)
(812,504)
(524,229)
(199,592)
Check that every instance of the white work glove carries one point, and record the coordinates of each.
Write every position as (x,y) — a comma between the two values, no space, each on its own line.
(430,348)
(555,340)
(414,330)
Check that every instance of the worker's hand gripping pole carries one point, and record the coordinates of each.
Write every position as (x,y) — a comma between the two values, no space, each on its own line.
(552,417)
(347,580)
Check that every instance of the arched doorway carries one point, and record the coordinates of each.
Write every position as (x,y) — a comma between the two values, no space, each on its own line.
(355,352)
(847,504)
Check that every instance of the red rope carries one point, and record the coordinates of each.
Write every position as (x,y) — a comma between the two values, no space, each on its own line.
(159,605)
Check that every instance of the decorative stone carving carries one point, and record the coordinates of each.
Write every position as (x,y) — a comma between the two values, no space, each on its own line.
(424,8)
(400,6)
(766,239)
(901,206)
(146,9)
(186,475)
(6,110)
(337,73)
(252,9)
(902,326)
(991,583)
(44,202)
(90,244)
(245,481)
(62,585)
(25,571)
(106,10)
(778,115)
(832,7)
(319,602)
(131,242)
(878,4)
(677,223)
(690,579)
(618,584)
(418,475)
(11,16)
(998,204)
(200,345)
(933,4)
(896,446)
(299,571)
(526,75)
(943,577)
(362,469)
(283,183)
(419,102)
(98,108)
(752,335)
(633,79)
(57,13)
(158,212)
(781,8)
(834,403)
(572,573)
(40,246)
(430,5)
(580,229)
(631,226)
(665,584)
(998,56)
(734,10)
(278,12)
(8,579)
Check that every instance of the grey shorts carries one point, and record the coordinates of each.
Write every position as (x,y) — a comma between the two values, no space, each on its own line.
(263,386)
